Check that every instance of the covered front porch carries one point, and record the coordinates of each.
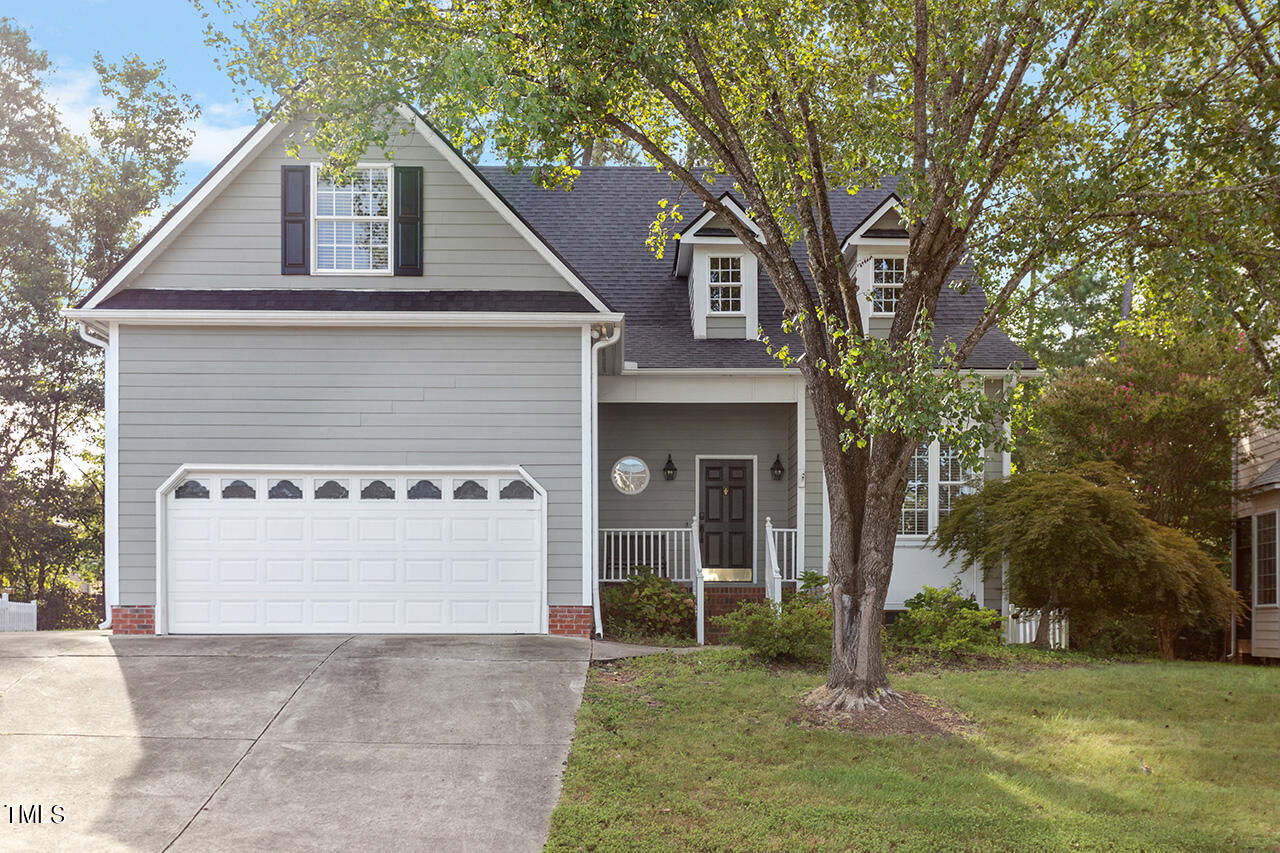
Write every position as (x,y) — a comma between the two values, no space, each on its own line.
(709,495)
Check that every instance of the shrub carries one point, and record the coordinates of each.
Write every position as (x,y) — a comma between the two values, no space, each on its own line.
(945,619)
(798,630)
(66,608)
(814,585)
(648,606)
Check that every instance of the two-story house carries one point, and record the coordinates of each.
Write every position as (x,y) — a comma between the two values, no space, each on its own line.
(437,398)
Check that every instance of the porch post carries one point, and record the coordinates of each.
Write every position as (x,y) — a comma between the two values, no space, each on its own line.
(695,547)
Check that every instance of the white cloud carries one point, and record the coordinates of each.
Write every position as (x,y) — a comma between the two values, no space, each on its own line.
(217,130)
(212,143)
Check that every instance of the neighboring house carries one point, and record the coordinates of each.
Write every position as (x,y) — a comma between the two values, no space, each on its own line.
(1254,567)
(440,399)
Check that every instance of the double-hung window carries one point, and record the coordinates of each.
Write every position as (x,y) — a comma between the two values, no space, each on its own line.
(1264,549)
(915,508)
(726,285)
(352,222)
(887,277)
(953,479)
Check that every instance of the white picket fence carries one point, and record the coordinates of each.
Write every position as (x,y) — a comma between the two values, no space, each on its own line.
(1021,627)
(16,615)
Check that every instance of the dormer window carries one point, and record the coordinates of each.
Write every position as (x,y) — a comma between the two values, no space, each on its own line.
(887,277)
(353,222)
(725,281)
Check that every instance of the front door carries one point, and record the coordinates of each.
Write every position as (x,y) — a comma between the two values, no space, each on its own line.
(725,516)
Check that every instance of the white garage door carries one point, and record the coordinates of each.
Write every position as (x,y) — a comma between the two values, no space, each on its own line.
(330,551)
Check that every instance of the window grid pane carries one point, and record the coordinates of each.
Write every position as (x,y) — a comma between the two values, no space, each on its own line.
(887,276)
(953,479)
(726,284)
(915,508)
(354,234)
(1266,550)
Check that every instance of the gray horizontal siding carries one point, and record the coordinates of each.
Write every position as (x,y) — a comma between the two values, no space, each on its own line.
(686,430)
(350,397)
(813,497)
(1266,632)
(726,327)
(235,241)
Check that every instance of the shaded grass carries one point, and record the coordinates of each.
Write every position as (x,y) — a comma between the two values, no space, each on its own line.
(702,752)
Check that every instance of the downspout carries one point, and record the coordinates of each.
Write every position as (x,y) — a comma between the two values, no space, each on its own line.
(600,343)
(102,344)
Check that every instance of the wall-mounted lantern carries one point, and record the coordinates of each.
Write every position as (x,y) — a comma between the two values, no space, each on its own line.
(669,470)
(776,469)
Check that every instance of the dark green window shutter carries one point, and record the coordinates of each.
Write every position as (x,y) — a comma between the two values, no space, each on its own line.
(295,198)
(408,220)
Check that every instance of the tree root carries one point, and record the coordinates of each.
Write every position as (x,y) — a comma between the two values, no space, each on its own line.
(825,698)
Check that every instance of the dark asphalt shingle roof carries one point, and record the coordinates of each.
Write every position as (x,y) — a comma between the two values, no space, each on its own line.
(351,300)
(1268,478)
(600,228)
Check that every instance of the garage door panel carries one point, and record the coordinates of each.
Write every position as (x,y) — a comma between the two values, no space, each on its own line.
(305,564)
(285,571)
(282,530)
(332,571)
(377,571)
(237,529)
(423,571)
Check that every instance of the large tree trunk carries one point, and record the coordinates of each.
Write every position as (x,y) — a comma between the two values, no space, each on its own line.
(864,523)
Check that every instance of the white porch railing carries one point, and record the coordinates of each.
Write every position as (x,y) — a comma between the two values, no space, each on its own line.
(674,553)
(699,598)
(781,548)
(16,615)
(665,550)
(1022,626)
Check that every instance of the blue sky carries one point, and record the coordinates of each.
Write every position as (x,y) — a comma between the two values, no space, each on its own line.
(71,31)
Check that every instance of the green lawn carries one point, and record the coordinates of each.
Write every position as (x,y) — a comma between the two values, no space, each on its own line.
(703,752)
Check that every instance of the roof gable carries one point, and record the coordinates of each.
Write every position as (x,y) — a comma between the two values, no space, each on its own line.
(226,233)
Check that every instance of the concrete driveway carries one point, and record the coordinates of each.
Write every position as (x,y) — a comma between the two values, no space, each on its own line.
(284,743)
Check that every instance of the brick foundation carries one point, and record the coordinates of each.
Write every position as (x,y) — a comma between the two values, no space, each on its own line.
(720,600)
(571,620)
(133,619)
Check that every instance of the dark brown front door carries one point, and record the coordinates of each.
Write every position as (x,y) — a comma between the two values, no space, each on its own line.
(725,514)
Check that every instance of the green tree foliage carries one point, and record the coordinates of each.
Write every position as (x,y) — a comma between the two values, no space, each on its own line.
(1078,541)
(69,208)
(1069,323)
(1016,130)
(1166,407)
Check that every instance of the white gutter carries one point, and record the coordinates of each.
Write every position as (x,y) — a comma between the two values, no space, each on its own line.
(100,343)
(594,568)
(442,319)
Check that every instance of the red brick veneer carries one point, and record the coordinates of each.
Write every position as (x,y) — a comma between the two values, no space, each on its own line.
(720,600)
(133,619)
(571,620)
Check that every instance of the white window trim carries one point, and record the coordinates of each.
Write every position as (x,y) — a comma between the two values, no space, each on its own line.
(933,493)
(930,496)
(313,224)
(741,285)
(871,290)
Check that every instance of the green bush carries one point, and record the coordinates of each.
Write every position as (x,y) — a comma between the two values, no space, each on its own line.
(648,606)
(797,630)
(66,608)
(945,619)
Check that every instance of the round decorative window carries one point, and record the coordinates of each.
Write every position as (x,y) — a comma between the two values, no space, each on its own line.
(630,475)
